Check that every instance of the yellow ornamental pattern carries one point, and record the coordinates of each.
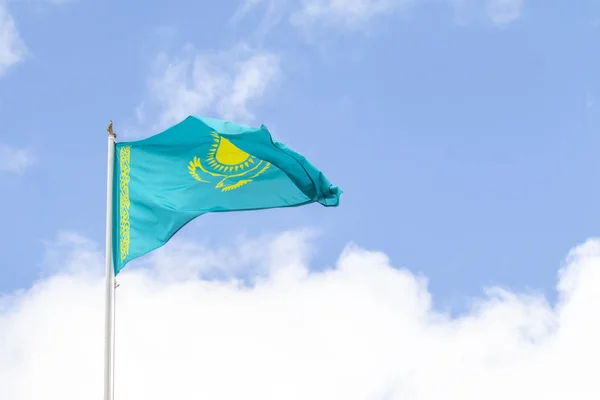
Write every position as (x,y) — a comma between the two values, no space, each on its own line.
(226,165)
(124,166)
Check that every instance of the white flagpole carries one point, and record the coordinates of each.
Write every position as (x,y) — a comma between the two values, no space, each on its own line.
(110,284)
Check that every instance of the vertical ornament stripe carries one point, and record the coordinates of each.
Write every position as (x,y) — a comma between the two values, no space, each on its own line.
(124,167)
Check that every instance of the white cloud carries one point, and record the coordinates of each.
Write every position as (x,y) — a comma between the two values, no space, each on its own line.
(12,47)
(14,159)
(353,14)
(58,2)
(274,12)
(348,13)
(361,330)
(502,12)
(224,84)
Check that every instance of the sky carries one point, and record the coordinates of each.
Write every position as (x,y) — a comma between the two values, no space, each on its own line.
(461,261)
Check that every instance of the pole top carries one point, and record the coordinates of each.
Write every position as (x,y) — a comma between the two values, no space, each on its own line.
(111,133)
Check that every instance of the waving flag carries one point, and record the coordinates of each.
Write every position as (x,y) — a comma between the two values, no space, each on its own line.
(198,166)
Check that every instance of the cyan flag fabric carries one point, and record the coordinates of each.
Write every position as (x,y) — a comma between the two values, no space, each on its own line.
(198,166)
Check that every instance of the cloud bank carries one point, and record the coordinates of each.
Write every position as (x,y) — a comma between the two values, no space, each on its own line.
(188,328)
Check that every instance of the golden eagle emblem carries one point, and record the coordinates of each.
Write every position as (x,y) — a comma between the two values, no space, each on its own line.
(227,165)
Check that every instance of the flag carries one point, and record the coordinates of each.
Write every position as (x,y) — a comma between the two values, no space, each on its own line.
(198,166)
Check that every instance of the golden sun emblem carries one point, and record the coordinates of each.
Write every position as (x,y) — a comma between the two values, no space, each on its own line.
(231,165)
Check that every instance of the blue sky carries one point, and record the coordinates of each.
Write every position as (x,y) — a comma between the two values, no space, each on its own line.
(463,133)
(463,262)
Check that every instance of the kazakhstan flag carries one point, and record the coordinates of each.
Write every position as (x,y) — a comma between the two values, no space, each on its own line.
(198,166)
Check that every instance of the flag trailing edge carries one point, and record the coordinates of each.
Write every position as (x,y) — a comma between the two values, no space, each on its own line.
(203,165)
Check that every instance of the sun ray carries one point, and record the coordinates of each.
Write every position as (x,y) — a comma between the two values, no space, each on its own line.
(225,158)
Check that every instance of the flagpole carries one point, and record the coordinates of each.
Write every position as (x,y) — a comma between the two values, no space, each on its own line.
(110,284)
